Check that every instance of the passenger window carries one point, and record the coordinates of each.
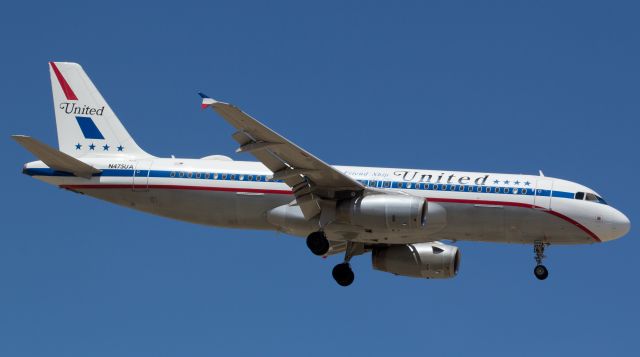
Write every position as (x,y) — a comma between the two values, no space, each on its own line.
(181,174)
(579,196)
(197,175)
(224,176)
(460,188)
(469,188)
(241,177)
(173,174)
(387,184)
(190,175)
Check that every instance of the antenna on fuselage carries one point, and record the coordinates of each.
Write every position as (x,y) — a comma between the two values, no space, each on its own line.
(541,173)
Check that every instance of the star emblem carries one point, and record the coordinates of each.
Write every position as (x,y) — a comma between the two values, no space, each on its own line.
(78,146)
(92,147)
(516,182)
(105,147)
(527,183)
(496,182)
(120,148)
(506,182)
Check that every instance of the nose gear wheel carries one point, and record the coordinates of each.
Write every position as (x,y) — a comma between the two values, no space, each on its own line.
(540,271)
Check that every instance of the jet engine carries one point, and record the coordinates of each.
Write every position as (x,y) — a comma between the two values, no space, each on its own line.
(384,212)
(420,260)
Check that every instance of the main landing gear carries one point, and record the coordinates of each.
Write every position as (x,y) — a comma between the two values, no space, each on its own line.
(318,243)
(540,271)
(342,272)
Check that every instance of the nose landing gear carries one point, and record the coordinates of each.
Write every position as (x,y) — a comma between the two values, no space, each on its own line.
(540,271)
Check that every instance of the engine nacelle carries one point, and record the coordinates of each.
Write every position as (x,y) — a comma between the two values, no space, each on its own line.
(384,212)
(420,260)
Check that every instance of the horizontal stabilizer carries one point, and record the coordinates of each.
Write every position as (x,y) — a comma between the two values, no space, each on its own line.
(54,158)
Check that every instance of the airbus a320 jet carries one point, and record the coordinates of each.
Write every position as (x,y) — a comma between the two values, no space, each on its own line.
(400,216)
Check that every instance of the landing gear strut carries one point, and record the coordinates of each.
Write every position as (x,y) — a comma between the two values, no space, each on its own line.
(342,272)
(318,243)
(540,271)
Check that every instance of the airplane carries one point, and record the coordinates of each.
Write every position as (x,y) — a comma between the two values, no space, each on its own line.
(401,216)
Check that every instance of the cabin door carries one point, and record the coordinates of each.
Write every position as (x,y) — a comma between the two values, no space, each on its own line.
(141,176)
(544,189)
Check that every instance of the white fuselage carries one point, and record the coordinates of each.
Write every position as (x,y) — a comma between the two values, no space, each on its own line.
(487,207)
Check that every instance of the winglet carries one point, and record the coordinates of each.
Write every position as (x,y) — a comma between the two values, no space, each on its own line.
(206,100)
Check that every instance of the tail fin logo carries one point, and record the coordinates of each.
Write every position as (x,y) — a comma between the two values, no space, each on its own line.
(66,88)
(73,108)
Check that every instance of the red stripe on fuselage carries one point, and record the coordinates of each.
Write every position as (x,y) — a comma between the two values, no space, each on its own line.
(288,192)
(68,92)
(178,187)
(519,204)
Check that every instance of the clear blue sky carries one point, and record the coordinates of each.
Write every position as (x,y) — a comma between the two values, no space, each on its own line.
(489,86)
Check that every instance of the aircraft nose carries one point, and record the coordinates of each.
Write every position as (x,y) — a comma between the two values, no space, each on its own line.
(620,224)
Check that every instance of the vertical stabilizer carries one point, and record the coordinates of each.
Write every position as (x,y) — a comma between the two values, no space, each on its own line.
(86,124)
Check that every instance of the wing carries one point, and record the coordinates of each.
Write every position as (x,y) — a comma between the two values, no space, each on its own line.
(312,180)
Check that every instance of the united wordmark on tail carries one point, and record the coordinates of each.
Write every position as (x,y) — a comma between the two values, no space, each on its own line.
(400,216)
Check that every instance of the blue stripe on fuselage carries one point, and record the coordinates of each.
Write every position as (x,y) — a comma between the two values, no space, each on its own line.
(186,175)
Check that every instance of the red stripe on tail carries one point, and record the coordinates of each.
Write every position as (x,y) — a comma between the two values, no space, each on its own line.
(68,92)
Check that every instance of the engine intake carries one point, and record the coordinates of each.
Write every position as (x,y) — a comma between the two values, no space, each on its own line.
(420,260)
(385,212)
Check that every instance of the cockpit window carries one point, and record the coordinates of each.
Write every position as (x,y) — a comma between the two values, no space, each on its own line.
(593,198)
(588,196)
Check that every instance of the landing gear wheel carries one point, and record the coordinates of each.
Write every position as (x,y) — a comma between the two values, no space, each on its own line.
(541,272)
(343,274)
(318,243)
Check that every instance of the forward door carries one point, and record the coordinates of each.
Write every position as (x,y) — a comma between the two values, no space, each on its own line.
(544,189)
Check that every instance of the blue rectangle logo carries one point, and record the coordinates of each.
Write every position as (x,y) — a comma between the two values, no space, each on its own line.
(89,128)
